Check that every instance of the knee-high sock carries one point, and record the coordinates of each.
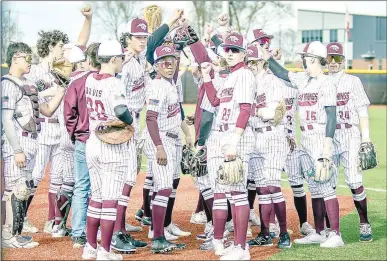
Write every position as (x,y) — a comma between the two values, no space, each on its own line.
(67,188)
(151,206)
(279,207)
(360,200)
(93,221)
(251,192)
(242,213)
(145,196)
(230,201)
(318,207)
(171,203)
(108,217)
(208,196)
(159,208)
(219,214)
(264,200)
(52,194)
(333,211)
(300,203)
(200,204)
(121,208)
(272,214)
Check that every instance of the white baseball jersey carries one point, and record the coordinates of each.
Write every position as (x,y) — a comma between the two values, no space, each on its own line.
(350,97)
(103,93)
(238,88)
(40,74)
(163,97)
(135,80)
(314,95)
(268,89)
(290,98)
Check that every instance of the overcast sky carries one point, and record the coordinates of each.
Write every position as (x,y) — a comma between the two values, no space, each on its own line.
(33,16)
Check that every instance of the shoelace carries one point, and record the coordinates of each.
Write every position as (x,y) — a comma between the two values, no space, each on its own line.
(125,237)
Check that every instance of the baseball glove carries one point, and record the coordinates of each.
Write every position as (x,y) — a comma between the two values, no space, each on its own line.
(184,36)
(231,172)
(153,16)
(279,113)
(324,170)
(186,160)
(61,70)
(114,132)
(367,156)
(199,163)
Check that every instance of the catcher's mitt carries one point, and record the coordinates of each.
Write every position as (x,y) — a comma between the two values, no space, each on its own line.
(231,172)
(184,36)
(114,132)
(153,16)
(186,160)
(324,170)
(367,156)
(61,70)
(199,163)
(279,113)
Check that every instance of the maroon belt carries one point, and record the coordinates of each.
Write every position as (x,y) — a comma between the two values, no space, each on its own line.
(32,135)
(268,128)
(49,120)
(309,127)
(346,126)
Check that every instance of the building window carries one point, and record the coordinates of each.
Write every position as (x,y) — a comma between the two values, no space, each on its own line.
(312,35)
(333,35)
(381,28)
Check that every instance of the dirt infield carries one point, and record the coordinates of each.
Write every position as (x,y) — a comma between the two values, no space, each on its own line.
(61,248)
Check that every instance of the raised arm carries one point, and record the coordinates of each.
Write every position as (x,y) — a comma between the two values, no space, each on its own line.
(84,35)
(208,85)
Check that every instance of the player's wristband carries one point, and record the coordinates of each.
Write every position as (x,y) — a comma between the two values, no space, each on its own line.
(17,151)
(327,148)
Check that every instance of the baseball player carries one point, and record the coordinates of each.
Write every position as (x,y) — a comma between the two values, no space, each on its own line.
(50,49)
(268,158)
(108,163)
(317,110)
(352,110)
(235,138)
(21,104)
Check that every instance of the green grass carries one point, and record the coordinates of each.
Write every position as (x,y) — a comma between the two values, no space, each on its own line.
(375,178)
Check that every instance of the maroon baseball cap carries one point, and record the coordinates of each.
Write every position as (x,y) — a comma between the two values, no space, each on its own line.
(164,51)
(235,40)
(253,53)
(259,33)
(335,49)
(138,27)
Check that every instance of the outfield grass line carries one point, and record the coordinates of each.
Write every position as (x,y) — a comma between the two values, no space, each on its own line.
(343,186)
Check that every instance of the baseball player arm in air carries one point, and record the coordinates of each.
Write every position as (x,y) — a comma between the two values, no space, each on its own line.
(208,85)
(84,35)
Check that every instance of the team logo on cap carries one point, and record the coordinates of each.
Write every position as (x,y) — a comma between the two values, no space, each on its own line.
(142,26)
(249,52)
(166,49)
(334,48)
(233,38)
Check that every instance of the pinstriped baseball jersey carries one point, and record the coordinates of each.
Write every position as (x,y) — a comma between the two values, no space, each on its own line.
(40,75)
(218,82)
(290,98)
(268,90)
(238,88)
(135,80)
(314,95)
(179,86)
(350,96)
(163,98)
(103,93)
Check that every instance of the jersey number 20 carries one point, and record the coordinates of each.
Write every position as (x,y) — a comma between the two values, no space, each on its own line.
(99,109)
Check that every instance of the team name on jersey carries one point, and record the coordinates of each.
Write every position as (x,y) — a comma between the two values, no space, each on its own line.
(342,98)
(173,109)
(96,93)
(307,99)
(226,95)
(138,84)
(260,100)
(289,103)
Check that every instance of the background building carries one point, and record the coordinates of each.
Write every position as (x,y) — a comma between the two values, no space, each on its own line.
(366,37)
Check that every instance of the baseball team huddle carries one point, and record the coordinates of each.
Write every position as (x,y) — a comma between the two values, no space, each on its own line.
(79,110)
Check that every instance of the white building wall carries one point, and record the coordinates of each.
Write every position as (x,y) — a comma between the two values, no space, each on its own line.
(326,36)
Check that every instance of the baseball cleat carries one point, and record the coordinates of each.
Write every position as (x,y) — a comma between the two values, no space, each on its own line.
(132,229)
(306,229)
(89,252)
(161,245)
(254,218)
(48,226)
(237,253)
(218,246)
(274,230)
(261,240)
(16,241)
(102,254)
(139,215)
(312,238)
(365,232)
(284,241)
(28,227)
(58,232)
(167,235)
(333,240)
(134,242)
(226,250)
(120,243)
(176,231)
(180,246)
(146,221)
(79,242)
(207,245)
(198,218)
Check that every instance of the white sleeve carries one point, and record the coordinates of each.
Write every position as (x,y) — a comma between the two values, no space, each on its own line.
(155,96)
(329,93)
(359,94)
(298,79)
(244,87)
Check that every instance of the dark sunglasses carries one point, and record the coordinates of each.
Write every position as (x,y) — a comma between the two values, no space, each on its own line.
(264,41)
(337,58)
(27,58)
(232,49)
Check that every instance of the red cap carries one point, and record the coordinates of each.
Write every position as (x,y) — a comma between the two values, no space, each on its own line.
(235,40)
(253,53)
(335,49)
(138,26)
(259,33)
(163,51)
